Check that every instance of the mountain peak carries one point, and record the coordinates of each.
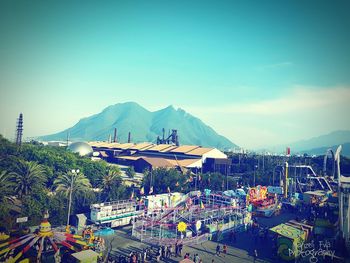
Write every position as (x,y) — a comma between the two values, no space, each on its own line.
(143,126)
(170,108)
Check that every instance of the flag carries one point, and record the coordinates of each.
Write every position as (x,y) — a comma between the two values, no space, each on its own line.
(142,191)
(199,178)
(190,179)
(132,195)
(151,190)
(201,205)
(168,189)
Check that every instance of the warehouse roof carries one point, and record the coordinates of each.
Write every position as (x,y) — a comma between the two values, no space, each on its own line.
(157,162)
(142,146)
(184,148)
(200,151)
(160,147)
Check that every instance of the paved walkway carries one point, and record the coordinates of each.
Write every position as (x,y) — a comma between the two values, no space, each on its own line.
(240,251)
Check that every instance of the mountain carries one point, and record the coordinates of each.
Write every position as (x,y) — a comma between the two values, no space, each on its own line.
(317,145)
(322,150)
(328,140)
(144,126)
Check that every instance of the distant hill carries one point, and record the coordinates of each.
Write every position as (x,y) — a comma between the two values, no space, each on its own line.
(322,150)
(319,145)
(144,126)
(328,140)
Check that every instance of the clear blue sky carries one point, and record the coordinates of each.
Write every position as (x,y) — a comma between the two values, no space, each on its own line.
(258,72)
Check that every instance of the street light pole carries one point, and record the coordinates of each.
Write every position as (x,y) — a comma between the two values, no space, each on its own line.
(74,172)
(254,173)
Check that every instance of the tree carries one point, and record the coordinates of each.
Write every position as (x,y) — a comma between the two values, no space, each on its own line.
(5,184)
(29,176)
(130,172)
(110,183)
(5,190)
(78,183)
(72,183)
(162,178)
(216,182)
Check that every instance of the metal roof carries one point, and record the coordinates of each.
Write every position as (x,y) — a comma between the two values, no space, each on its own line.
(142,146)
(158,162)
(184,148)
(161,147)
(200,151)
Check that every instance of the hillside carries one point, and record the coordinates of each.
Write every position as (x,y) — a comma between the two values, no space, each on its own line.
(143,125)
(316,145)
(327,140)
(322,150)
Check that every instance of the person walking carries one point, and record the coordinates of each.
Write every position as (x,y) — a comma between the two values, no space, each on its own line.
(167,252)
(217,253)
(255,254)
(180,249)
(196,258)
(171,251)
(224,249)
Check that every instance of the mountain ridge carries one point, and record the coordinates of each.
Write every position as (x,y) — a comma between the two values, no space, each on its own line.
(316,144)
(144,125)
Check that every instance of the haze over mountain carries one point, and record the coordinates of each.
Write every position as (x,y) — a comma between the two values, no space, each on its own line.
(144,126)
(322,150)
(319,145)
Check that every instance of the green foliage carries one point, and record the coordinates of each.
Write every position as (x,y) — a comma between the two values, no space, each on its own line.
(215,182)
(34,206)
(57,207)
(78,183)
(130,172)
(33,169)
(111,185)
(162,178)
(27,177)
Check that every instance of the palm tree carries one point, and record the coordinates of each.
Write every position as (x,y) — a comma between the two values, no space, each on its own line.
(6,186)
(5,182)
(111,180)
(72,183)
(130,172)
(29,176)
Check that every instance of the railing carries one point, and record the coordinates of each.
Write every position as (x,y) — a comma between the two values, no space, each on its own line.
(120,202)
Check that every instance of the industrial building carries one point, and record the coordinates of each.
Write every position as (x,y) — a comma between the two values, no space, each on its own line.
(150,156)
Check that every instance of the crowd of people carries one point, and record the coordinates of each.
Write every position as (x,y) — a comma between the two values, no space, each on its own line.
(152,254)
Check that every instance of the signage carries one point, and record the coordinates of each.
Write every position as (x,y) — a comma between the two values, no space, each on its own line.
(21,219)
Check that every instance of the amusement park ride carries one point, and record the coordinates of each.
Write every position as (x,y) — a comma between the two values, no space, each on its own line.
(47,245)
(197,217)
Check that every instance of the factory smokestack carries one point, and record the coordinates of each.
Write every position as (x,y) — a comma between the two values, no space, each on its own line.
(115,135)
(129,137)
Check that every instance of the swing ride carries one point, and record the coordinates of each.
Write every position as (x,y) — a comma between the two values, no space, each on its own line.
(45,244)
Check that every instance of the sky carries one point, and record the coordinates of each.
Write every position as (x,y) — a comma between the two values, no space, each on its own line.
(259,72)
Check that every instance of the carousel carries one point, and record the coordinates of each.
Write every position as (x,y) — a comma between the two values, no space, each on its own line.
(263,203)
(46,245)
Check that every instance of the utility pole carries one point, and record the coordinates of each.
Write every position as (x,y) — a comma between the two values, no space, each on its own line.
(74,173)
(255,166)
